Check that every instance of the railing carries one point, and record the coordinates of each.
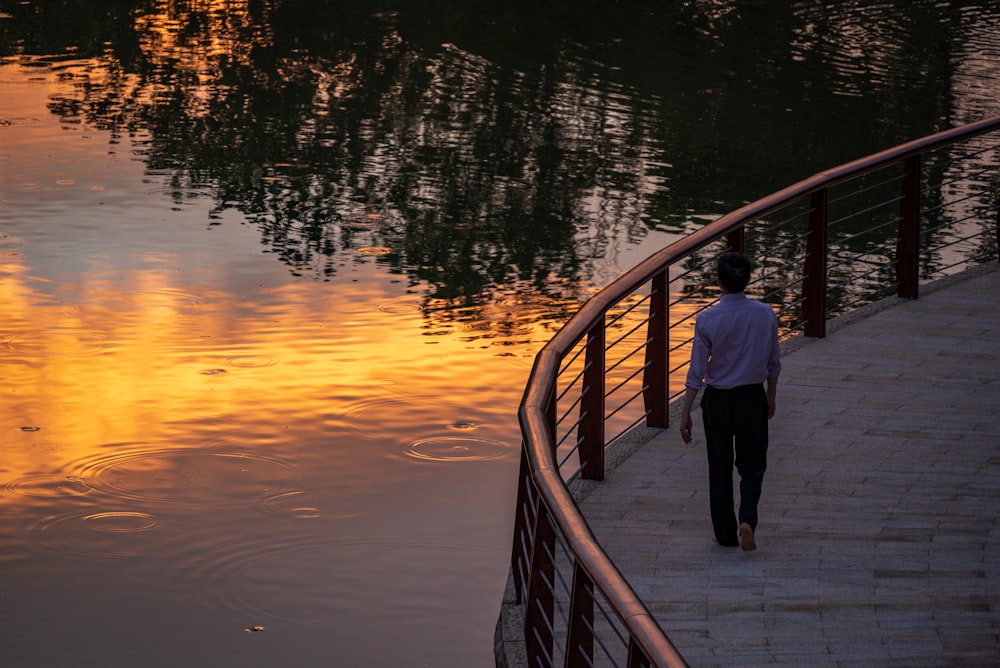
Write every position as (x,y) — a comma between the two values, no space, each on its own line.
(847,236)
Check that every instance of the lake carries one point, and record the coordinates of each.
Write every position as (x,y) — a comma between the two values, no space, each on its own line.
(274,274)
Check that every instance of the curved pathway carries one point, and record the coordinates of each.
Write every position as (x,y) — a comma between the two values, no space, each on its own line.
(879,538)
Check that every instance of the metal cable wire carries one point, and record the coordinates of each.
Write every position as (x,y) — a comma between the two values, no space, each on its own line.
(568,362)
(681,345)
(781,289)
(833,223)
(570,429)
(572,451)
(861,191)
(632,354)
(950,203)
(955,242)
(791,305)
(627,379)
(570,385)
(879,226)
(952,223)
(966,261)
(627,334)
(625,430)
(627,402)
(628,310)
(792,240)
(777,226)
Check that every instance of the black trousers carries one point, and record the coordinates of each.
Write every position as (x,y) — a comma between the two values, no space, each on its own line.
(735,423)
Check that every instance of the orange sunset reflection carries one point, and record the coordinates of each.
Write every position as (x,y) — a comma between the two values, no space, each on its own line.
(138,357)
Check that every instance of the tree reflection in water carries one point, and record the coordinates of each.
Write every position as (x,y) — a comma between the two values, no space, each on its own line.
(480,148)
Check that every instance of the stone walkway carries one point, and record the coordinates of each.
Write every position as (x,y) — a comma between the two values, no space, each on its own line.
(879,538)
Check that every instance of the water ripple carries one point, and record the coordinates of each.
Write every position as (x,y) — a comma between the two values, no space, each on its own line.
(62,342)
(250,361)
(120,534)
(48,486)
(320,581)
(456,449)
(431,431)
(187,476)
(113,301)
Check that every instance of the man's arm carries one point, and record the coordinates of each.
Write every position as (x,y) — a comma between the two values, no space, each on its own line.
(701,351)
(773,367)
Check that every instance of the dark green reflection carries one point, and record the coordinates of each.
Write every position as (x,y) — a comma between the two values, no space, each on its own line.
(474,145)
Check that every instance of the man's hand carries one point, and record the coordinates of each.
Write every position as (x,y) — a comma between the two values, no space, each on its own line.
(686,427)
(690,393)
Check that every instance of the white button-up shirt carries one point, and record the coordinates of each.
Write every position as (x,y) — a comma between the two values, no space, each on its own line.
(735,343)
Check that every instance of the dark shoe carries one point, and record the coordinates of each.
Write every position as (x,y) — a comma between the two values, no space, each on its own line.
(747,542)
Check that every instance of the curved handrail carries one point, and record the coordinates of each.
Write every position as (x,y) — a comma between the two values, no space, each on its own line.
(535,420)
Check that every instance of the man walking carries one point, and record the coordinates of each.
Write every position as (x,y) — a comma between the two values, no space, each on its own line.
(733,356)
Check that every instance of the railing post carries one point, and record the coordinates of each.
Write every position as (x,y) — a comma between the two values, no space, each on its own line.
(908,237)
(636,657)
(736,240)
(541,600)
(591,431)
(656,377)
(815,281)
(580,633)
(519,554)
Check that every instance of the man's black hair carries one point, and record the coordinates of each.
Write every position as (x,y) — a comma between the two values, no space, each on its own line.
(734,271)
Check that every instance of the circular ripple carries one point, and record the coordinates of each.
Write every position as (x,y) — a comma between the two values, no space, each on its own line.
(392,418)
(362,222)
(290,504)
(54,343)
(124,534)
(321,581)
(423,430)
(456,449)
(184,476)
(186,193)
(250,361)
(116,301)
(49,486)
(120,521)
(402,307)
